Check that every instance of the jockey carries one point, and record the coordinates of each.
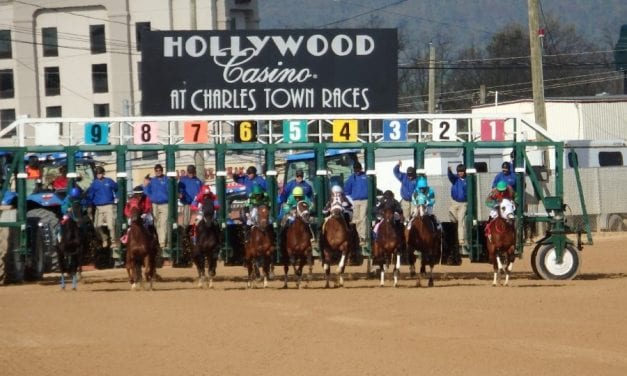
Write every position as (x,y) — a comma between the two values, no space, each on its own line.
(204,193)
(140,201)
(288,211)
(424,195)
(338,197)
(256,198)
(388,200)
(496,195)
(68,202)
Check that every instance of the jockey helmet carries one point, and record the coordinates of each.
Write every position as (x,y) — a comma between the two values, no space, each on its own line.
(422,183)
(138,190)
(501,186)
(257,190)
(251,170)
(75,192)
(298,192)
(337,189)
(100,170)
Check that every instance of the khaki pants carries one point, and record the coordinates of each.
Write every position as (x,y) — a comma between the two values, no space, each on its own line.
(457,213)
(187,213)
(104,216)
(408,208)
(160,213)
(359,217)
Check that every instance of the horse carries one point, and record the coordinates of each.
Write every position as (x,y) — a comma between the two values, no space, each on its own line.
(422,235)
(336,239)
(71,248)
(501,241)
(207,244)
(141,249)
(260,245)
(387,245)
(296,250)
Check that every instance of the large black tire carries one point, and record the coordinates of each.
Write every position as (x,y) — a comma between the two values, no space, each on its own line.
(11,263)
(547,267)
(43,226)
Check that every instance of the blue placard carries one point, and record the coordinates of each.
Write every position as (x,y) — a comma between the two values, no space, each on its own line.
(394,130)
(295,130)
(97,133)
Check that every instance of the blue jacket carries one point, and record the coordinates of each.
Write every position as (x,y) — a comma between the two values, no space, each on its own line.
(157,190)
(289,187)
(188,189)
(102,192)
(510,179)
(356,187)
(458,189)
(407,185)
(249,183)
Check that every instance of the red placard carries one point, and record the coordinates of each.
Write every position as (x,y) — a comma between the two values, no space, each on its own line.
(195,132)
(492,130)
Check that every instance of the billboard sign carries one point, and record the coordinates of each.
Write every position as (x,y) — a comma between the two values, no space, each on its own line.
(269,72)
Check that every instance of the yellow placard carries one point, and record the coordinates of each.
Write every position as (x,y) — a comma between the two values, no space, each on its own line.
(344,130)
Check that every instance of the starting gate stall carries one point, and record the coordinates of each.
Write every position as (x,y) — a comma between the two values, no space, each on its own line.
(276,137)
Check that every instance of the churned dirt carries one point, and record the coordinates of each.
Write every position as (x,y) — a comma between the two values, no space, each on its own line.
(462,326)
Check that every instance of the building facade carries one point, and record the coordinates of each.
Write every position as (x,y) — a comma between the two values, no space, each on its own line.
(77,58)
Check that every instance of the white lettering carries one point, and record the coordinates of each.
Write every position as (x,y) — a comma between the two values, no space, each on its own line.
(364,45)
(350,98)
(313,45)
(195,46)
(338,41)
(169,44)
(290,45)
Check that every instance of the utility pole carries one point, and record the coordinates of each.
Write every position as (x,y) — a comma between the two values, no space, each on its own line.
(431,106)
(199,155)
(537,76)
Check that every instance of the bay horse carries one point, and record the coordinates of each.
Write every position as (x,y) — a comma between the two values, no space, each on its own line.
(296,249)
(423,236)
(501,241)
(141,249)
(207,246)
(387,245)
(260,246)
(71,246)
(336,240)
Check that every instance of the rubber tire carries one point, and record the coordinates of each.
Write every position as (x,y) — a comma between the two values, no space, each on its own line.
(549,270)
(49,260)
(534,267)
(615,223)
(11,263)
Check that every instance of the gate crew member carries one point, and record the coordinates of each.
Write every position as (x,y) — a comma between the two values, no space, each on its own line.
(356,189)
(158,189)
(102,194)
(250,179)
(459,205)
(189,186)
(408,185)
(299,181)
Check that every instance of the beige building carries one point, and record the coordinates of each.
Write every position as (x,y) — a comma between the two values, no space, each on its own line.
(76,58)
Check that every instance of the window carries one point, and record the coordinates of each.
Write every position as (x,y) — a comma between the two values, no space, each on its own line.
(50,43)
(139,74)
(150,155)
(52,81)
(53,111)
(97,39)
(7,117)
(481,166)
(101,110)
(99,78)
(7,89)
(610,158)
(139,27)
(5,44)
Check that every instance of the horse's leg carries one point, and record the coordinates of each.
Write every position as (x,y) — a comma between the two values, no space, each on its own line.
(326,266)
(310,263)
(286,270)
(199,262)
(382,271)
(62,280)
(397,267)
(431,274)
(213,264)
(510,264)
(249,267)
(267,260)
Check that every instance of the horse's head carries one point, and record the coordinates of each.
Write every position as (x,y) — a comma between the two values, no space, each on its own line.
(506,209)
(420,210)
(208,210)
(336,206)
(302,210)
(263,215)
(136,215)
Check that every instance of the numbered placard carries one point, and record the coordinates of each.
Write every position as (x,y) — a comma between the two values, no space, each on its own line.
(47,134)
(344,130)
(145,133)
(394,130)
(245,131)
(97,133)
(492,129)
(445,130)
(195,132)
(295,130)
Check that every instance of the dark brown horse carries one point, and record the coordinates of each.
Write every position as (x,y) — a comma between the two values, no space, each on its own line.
(336,241)
(141,249)
(260,246)
(207,246)
(296,250)
(501,242)
(71,246)
(424,237)
(388,245)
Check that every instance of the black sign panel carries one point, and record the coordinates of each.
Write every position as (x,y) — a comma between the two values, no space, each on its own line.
(331,71)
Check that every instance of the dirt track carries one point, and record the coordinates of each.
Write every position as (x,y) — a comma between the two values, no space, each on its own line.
(462,326)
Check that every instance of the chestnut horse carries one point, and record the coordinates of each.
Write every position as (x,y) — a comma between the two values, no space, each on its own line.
(424,237)
(388,245)
(71,248)
(260,246)
(501,242)
(207,246)
(141,249)
(296,249)
(336,240)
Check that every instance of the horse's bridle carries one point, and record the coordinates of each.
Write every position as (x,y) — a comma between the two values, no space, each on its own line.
(304,214)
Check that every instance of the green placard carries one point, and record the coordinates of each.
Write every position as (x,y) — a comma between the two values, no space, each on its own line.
(295,130)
